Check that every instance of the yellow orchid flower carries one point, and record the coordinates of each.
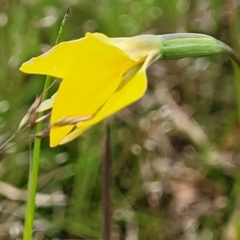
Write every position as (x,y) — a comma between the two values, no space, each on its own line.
(100,75)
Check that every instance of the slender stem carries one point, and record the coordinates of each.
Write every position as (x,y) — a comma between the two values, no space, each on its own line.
(234,37)
(237,89)
(106,185)
(34,162)
(32,186)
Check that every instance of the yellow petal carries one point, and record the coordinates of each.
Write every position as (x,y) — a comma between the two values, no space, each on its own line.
(103,38)
(129,93)
(92,78)
(133,90)
(72,135)
(56,61)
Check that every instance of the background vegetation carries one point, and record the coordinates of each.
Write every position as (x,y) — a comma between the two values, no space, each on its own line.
(176,172)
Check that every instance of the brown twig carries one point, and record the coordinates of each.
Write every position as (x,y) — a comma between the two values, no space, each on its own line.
(106,185)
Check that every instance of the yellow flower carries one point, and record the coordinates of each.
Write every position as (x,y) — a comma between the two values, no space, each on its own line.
(100,75)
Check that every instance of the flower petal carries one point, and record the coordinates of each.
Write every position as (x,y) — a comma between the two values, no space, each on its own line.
(72,135)
(129,93)
(57,61)
(88,84)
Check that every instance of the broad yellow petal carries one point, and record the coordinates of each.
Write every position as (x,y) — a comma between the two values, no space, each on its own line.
(57,61)
(90,81)
(129,93)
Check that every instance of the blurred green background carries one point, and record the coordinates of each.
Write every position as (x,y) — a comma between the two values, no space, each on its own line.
(175,172)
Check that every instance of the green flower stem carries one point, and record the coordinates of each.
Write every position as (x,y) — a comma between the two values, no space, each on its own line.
(237,88)
(32,187)
(234,36)
(34,162)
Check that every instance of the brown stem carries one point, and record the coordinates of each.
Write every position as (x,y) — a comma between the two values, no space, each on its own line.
(106,185)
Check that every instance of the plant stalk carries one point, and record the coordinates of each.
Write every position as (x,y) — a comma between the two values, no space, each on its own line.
(34,162)
(106,186)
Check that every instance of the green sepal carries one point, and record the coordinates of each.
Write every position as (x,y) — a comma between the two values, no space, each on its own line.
(183,45)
